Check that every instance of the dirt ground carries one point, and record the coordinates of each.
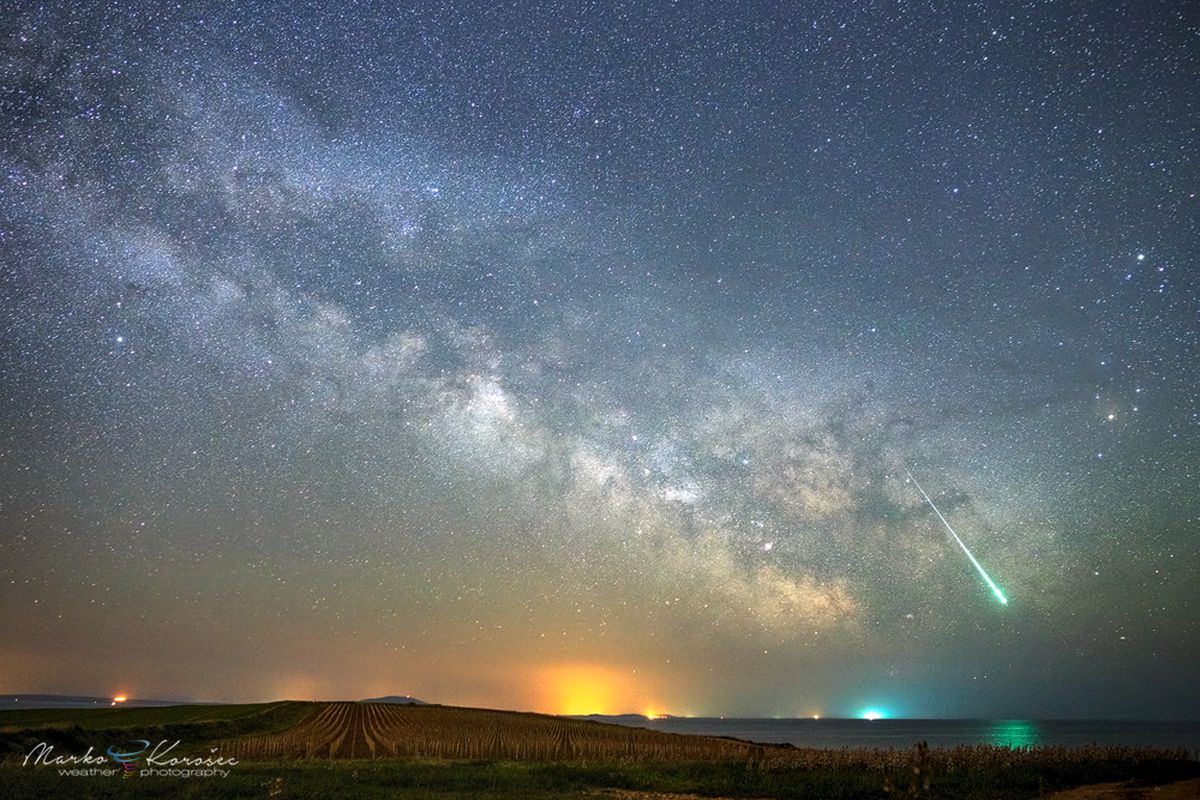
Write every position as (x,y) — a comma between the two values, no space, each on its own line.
(1182,790)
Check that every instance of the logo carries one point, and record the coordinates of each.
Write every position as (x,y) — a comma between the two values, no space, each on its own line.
(130,759)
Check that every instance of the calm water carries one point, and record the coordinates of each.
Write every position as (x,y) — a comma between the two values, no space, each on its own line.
(896,733)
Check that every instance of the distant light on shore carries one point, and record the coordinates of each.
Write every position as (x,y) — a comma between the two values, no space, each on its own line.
(872,714)
(119,699)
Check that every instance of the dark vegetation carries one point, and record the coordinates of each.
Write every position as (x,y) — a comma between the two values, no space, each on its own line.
(302,750)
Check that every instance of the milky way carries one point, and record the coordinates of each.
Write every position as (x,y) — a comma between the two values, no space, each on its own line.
(352,350)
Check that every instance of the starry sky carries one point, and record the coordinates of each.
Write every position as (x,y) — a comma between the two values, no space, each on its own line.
(569,356)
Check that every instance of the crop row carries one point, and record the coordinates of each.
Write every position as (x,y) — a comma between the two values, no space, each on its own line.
(374,730)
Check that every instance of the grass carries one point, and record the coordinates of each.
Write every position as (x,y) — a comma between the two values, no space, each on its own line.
(457,780)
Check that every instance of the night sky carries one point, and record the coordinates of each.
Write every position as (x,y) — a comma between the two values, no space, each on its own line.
(570,356)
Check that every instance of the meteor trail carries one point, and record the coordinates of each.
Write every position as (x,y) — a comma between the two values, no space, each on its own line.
(991,584)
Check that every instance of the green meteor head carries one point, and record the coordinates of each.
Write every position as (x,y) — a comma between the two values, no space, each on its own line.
(988,580)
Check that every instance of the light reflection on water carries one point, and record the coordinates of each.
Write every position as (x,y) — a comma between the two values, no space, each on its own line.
(1013,733)
(904,733)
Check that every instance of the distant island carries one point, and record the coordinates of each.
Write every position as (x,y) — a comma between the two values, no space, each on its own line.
(19,701)
(400,700)
(27,701)
(622,717)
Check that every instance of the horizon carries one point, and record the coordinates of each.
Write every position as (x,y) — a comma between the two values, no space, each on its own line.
(709,357)
(132,701)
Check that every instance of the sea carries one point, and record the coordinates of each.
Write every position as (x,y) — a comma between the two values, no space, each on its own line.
(905,733)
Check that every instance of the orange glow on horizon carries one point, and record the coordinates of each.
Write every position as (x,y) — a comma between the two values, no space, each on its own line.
(119,699)
(576,689)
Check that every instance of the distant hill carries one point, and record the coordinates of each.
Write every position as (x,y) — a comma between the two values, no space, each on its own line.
(18,701)
(623,717)
(33,701)
(610,717)
(400,700)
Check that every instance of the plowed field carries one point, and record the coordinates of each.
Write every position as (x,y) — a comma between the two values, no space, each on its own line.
(381,730)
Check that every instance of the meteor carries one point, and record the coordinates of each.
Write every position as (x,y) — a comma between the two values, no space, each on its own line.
(986,579)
